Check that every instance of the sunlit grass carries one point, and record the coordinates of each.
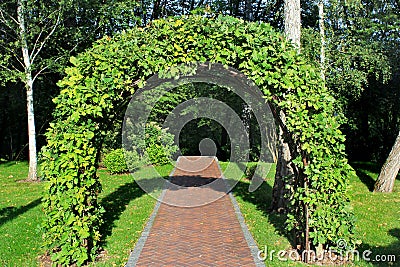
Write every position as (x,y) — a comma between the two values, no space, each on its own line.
(20,215)
(378,216)
(128,209)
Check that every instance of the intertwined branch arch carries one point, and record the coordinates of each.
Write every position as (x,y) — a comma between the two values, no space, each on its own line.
(102,78)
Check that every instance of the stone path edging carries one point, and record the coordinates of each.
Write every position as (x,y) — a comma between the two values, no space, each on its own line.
(247,235)
(137,251)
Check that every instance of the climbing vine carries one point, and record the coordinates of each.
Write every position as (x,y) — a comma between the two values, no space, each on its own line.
(101,78)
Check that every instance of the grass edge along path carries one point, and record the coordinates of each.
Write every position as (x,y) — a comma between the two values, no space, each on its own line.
(21,215)
(378,215)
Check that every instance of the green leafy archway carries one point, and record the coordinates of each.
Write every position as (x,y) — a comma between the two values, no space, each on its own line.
(104,76)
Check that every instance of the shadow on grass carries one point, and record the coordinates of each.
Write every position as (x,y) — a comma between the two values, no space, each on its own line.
(10,213)
(367,166)
(115,204)
(8,163)
(368,173)
(366,179)
(384,256)
(262,198)
(364,171)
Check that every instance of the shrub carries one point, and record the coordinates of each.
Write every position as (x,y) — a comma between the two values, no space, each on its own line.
(120,161)
(115,161)
(133,161)
(250,170)
(160,145)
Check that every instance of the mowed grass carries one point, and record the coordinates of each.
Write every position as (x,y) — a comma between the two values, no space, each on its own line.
(127,211)
(378,217)
(20,215)
(378,214)
(266,228)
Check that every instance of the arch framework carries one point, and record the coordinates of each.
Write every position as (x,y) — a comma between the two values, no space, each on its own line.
(102,78)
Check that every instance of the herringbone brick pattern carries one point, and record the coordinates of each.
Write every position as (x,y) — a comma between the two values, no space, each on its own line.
(194,235)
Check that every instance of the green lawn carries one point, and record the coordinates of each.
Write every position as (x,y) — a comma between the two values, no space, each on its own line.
(20,215)
(128,208)
(378,215)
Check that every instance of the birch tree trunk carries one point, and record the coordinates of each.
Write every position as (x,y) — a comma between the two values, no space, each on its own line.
(283,169)
(322,34)
(390,169)
(21,11)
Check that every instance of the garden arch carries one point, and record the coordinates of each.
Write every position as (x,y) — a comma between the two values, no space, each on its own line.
(103,77)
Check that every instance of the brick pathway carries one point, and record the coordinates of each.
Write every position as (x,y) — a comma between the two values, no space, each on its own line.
(200,227)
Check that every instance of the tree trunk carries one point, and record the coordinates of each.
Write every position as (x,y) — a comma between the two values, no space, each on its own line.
(236,8)
(390,169)
(293,21)
(248,10)
(272,146)
(28,80)
(256,13)
(32,175)
(283,169)
(322,34)
(156,10)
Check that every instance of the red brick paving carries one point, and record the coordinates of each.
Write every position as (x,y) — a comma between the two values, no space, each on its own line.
(194,235)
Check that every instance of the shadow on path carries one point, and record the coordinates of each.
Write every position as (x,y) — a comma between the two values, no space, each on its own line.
(191,181)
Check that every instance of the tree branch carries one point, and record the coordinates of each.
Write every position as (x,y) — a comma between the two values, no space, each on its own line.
(12,52)
(54,61)
(36,42)
(4,20)
(39,72)
(45,39)
(43,29)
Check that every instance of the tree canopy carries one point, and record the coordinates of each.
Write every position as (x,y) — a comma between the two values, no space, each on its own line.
(361,59)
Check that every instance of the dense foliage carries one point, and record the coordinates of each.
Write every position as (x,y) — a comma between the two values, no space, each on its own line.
(159,144)
(115,162)
(361,36)
(362,69)
(204,127)
(157,148)
(103,76)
